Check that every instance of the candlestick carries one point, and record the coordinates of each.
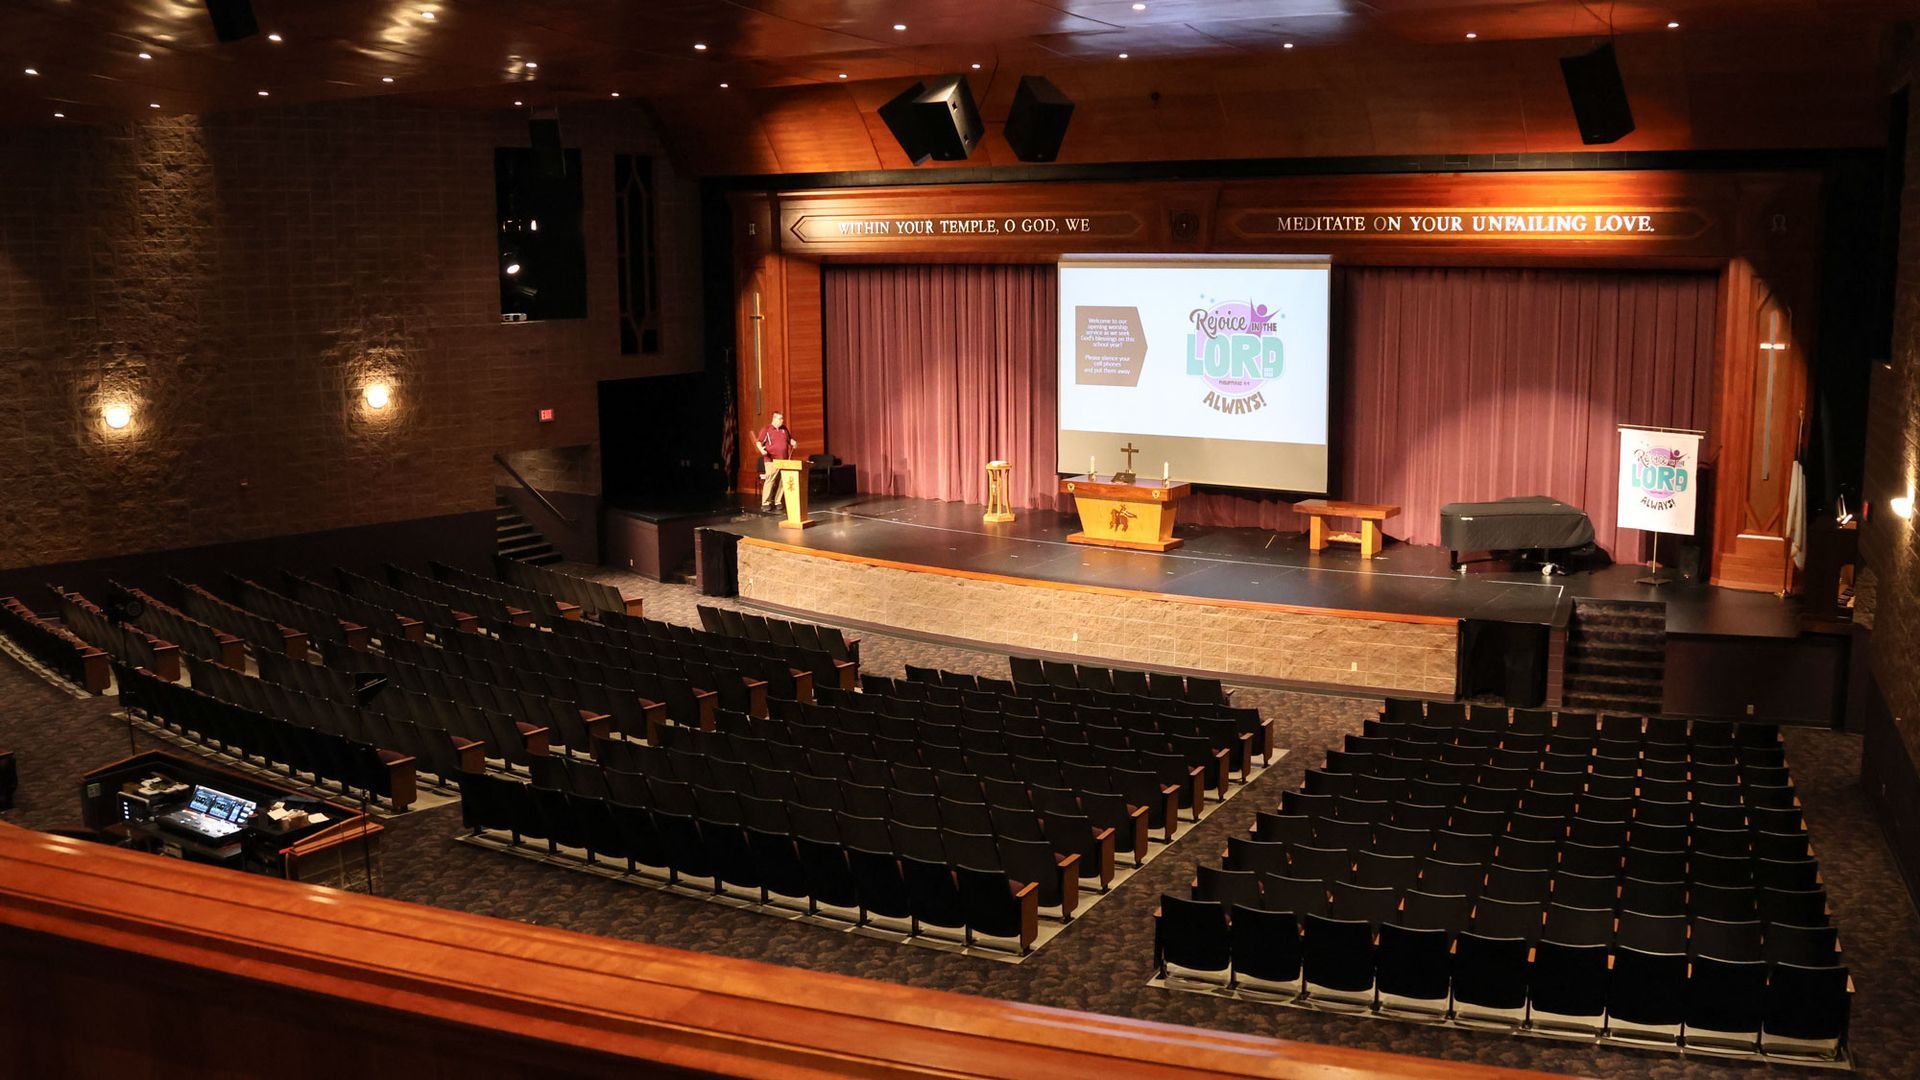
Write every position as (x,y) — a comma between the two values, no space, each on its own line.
(1090,469)
(1165,475)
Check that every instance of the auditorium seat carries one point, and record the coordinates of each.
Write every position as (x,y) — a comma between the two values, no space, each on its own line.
(1337,961)
(1227,887)
(1191,940)
(1489,978)
(1567,991)
(1806,1011)
(1724,1003)
(1414,960)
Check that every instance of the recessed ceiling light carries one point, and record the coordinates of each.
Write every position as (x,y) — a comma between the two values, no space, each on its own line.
(386,78)
(262,93)
(899,26)
(726,86)
(843,74)
(33,71)
(1673,25)
(275,38)
(428,15)
(519,103)
(59,116)
(1471,35)
(1288,45)
(616,93)
(153,104)
(976,67)
(146,56)
(1123,56)
(699,46)
(1139,7)
(532,66)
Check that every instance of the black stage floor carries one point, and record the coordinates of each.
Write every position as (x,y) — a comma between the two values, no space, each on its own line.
(1257,565)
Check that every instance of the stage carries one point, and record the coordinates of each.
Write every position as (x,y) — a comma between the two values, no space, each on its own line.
(1246,604)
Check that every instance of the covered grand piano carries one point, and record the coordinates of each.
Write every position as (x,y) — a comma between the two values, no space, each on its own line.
(1522,523)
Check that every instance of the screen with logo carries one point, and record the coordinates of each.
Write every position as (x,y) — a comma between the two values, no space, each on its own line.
(1215,367)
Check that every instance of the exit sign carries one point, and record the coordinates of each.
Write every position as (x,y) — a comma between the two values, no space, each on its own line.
(546,416)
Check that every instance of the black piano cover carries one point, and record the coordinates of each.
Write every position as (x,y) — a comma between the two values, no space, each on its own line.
(1522,523)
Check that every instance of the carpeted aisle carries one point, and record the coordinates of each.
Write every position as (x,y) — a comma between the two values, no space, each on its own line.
(1103,961)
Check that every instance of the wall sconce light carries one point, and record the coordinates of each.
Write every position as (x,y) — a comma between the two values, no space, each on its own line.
(117,416)
(1902,504)
(378,395)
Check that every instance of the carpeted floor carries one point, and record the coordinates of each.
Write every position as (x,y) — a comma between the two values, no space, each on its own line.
(1103,961)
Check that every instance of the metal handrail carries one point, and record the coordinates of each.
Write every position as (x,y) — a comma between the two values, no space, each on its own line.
(544,501)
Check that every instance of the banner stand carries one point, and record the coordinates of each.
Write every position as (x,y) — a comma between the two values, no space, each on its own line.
(1653,576)
(1657,465)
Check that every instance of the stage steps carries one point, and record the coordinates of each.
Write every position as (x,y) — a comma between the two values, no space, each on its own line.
(1616,656)
(514,537)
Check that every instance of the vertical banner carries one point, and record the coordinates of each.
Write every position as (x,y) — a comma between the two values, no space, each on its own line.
(1657,473)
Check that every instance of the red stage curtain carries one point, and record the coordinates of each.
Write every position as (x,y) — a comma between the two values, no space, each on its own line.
(932,371)
(1450,384)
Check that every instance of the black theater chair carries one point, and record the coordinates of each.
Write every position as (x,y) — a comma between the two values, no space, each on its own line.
(995,907)
(1191,941)
(1337,961)
(1265,948)
(1724,1004)
(1415,955)
(1056,879)
(1568,988)
(1807,1010)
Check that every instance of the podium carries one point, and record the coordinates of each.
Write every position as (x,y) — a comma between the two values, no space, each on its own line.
(793,492)
(1138,516)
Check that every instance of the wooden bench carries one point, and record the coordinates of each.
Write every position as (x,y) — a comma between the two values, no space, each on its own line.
(1370,516)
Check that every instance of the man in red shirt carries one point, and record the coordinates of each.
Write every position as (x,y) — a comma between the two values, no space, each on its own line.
(775,442)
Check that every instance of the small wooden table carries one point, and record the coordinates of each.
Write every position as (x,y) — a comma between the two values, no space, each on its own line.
(1369,514)
(1137,515)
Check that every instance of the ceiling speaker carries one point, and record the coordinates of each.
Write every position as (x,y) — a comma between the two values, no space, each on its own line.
(1599,96)
(934,119)
(232,19)
(1037,124)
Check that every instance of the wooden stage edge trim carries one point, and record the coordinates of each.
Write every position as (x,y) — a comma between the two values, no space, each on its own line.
(510,988)
(1106,590)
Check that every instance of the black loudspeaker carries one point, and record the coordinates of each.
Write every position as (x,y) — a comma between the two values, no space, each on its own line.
(549,159)
(232,19)
(1037,124)
(715,565)
(935,119)
(1599,96)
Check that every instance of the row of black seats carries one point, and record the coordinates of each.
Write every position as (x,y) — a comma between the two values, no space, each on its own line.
(1185,766)
(1263,878)
(565,726)
(323,629)
(588,595)
(1559,794)
(1231,747)
(1442,717)
(546,610)
(1558,970)
(434,747)
(750,627)
(46,640)
(983,709)
(1531,841)
(969,885)
(912,794)
(327,756)
(827,668)
(1029,672)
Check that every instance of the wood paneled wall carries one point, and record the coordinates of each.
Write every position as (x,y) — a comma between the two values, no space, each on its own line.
(1761,229)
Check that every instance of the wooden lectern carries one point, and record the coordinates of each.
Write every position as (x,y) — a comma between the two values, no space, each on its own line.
(793,492)
(1138,515)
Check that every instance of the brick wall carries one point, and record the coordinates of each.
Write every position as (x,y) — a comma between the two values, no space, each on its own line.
(238,279)
(1138,629)
(1889,602)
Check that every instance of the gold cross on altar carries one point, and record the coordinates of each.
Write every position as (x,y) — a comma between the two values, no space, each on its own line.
(1129,450)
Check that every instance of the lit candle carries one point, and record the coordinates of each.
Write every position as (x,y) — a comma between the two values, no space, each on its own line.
(1090,468)
(1165,475)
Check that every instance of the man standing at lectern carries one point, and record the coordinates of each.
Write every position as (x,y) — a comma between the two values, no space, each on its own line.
(775,442)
